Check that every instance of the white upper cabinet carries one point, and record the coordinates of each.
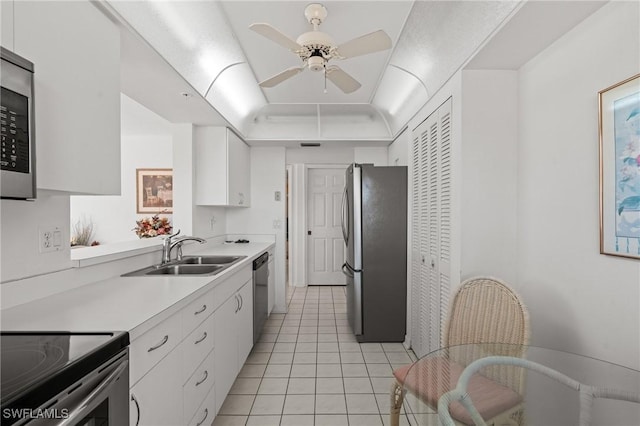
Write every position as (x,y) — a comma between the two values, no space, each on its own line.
(223,169)
(75,50)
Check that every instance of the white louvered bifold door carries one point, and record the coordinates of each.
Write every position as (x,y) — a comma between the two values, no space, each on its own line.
(415,242)
(444,196)
(431,229)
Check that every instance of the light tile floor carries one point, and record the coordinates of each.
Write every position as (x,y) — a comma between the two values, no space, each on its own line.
(308,369)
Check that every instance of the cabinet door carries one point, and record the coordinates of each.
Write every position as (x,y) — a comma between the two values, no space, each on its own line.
(244,322)
(156,400)
(211,165)
(75,49)
(239,173)
(226,348)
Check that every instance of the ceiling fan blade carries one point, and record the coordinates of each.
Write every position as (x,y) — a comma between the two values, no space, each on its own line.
(279,78)
(275,35)
(340,78)
(368,43)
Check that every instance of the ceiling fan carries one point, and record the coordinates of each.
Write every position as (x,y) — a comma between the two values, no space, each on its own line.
(316,49)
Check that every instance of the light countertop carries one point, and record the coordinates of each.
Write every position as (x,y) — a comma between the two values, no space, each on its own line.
(133,304)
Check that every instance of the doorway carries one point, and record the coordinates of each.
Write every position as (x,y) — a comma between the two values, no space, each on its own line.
(325,243)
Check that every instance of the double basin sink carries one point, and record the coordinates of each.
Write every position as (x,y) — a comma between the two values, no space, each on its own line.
(189,266)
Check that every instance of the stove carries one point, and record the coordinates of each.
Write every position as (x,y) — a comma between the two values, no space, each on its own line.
(50,375)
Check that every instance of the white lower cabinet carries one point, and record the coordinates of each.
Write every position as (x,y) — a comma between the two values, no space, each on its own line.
(156,400)
(233,339)
(245,323)
(225,342)
(182,368)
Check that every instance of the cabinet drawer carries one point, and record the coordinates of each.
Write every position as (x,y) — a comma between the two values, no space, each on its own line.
(226,289)
(197,387)
(196,312)
(196,346)
(152,346)
(206,412)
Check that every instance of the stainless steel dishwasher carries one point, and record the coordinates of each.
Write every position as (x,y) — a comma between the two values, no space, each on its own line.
(260,294)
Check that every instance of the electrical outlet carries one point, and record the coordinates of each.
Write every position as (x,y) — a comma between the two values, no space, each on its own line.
(50,239)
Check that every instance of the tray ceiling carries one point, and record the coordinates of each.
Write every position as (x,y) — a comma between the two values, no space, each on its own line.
(220,60)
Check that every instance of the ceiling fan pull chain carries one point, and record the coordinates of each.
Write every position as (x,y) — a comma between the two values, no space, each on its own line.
(325,79)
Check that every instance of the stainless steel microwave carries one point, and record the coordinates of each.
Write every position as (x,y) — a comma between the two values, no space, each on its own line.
(17,116)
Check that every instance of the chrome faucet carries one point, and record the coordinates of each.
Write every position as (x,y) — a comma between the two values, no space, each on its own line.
(169,243)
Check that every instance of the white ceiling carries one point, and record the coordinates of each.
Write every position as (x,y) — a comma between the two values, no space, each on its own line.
(205,49)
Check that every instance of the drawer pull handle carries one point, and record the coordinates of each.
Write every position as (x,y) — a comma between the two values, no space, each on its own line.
(204,308)
(133,398)
(206,374)
(237,303)
(206,413)
(202,338)
(241,302)
(165,339)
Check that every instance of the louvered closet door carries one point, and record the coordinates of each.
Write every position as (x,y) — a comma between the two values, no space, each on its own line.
(444,212)
(416,261)
(431,229)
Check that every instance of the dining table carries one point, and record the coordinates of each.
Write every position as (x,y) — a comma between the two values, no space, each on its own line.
(555,387)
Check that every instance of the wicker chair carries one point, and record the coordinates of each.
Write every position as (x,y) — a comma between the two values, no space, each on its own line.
(486,318)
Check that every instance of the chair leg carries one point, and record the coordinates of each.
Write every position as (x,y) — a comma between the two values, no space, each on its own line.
(397,396)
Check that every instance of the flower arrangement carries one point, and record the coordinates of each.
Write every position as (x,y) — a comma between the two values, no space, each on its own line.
(153,226)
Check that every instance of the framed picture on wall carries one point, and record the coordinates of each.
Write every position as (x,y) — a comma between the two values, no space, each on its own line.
(619,126)
(154,190)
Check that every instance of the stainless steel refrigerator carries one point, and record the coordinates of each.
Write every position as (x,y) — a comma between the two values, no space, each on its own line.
(374,226)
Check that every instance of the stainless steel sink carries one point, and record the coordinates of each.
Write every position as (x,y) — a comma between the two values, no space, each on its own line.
(186,270)
(189,266)
(210,260)
(177,270)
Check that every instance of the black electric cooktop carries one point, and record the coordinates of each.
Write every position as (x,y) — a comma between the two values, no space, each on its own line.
(36,366)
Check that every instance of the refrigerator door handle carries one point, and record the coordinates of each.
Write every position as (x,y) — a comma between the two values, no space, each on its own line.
(347,270)
(345,217)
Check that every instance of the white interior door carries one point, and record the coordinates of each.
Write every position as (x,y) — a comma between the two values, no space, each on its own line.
(325,245)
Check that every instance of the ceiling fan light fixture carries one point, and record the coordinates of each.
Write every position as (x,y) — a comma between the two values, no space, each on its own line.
(316,63)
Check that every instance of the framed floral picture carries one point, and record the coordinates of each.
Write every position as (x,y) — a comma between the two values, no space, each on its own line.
(619,126)
(154,190)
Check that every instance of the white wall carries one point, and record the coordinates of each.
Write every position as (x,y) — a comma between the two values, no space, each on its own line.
(266,216)
(19,235)
(398,151)
(580,300)
(372,155)
(489,174)
(146,142)
(115,216)
(319,155)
